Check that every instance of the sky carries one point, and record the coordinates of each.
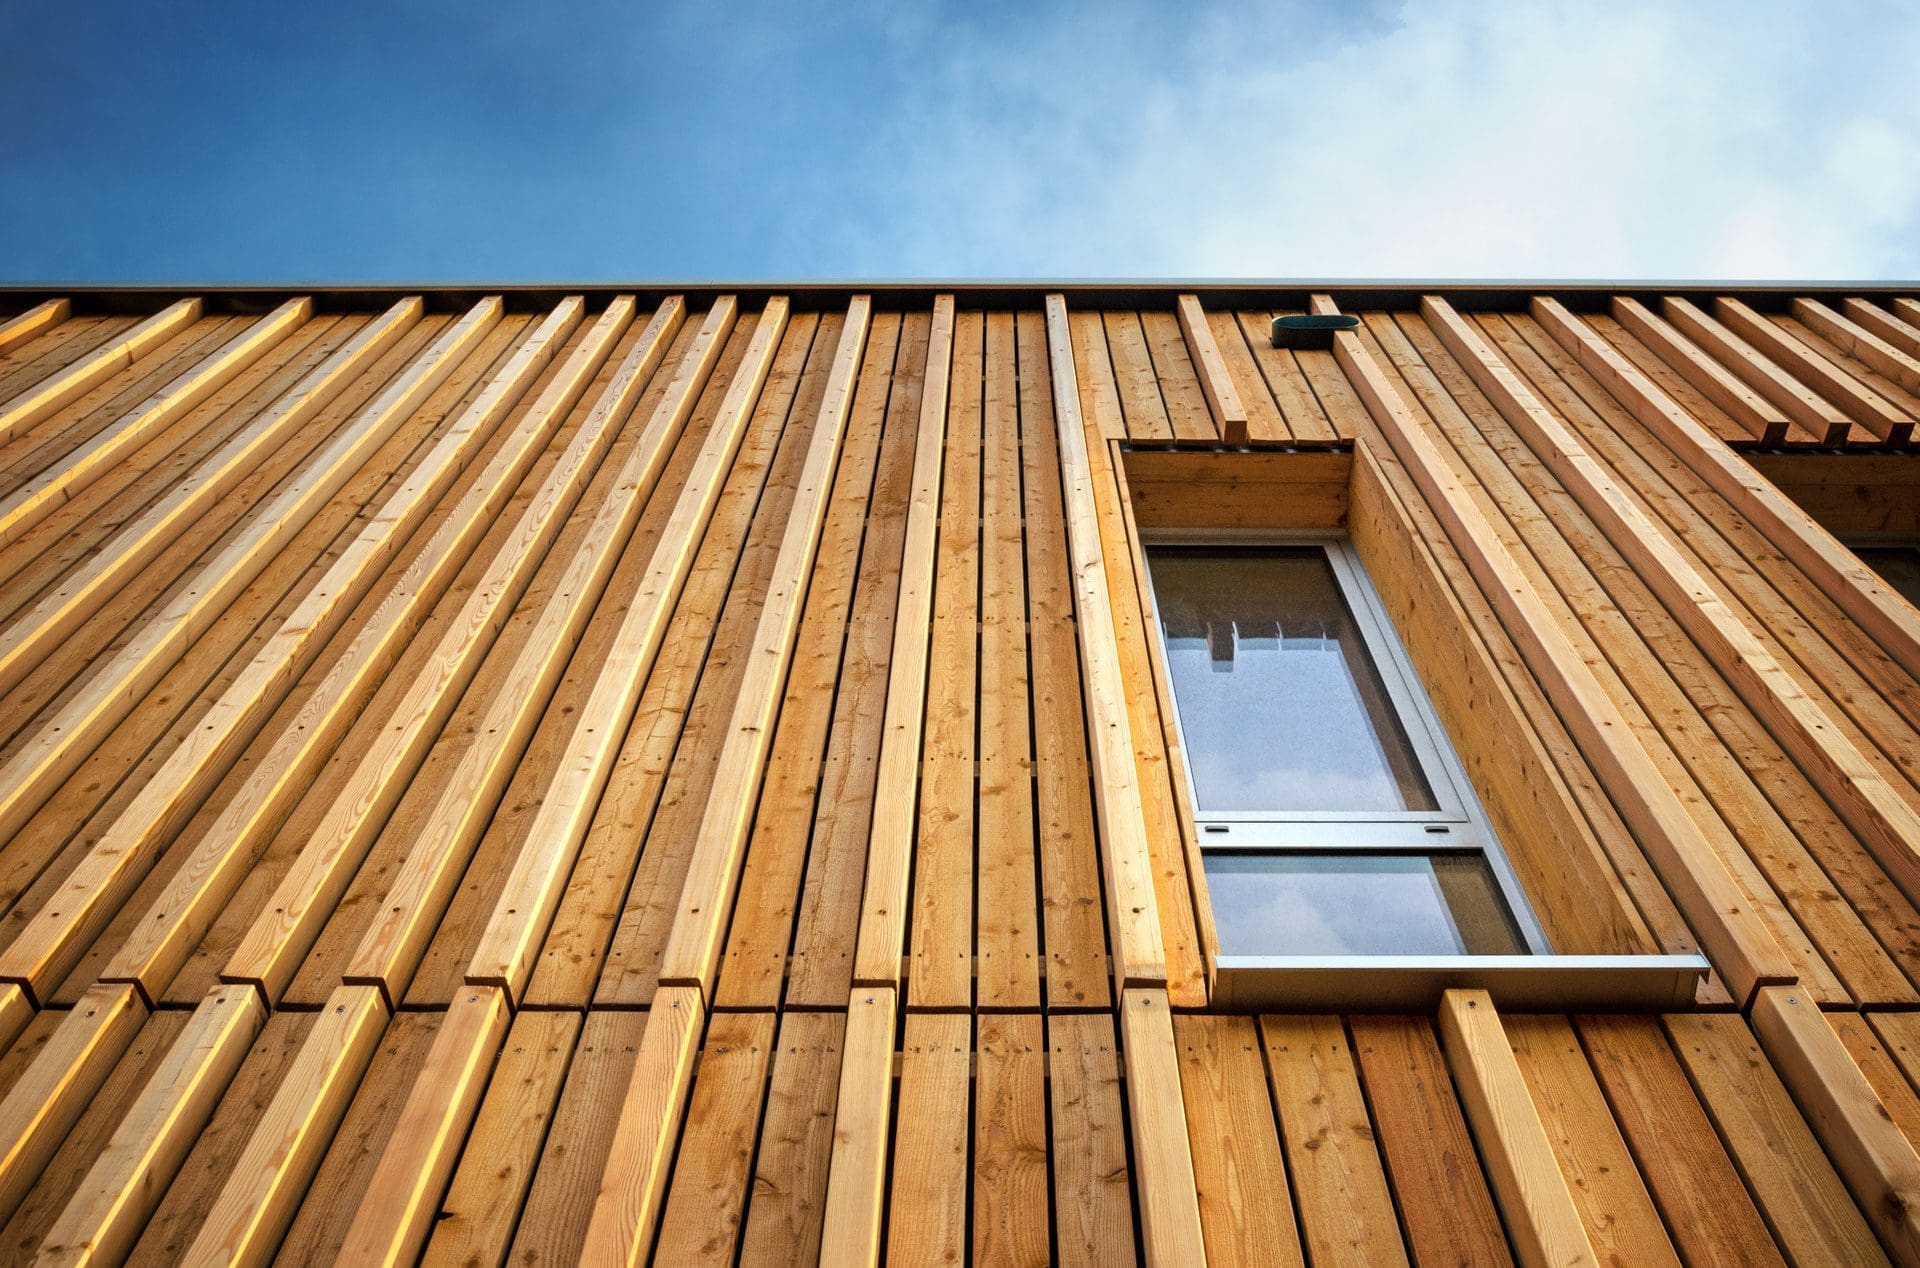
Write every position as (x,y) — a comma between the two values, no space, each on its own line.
(585,142)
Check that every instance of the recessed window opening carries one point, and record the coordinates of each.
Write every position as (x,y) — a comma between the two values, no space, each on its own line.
(1335,818)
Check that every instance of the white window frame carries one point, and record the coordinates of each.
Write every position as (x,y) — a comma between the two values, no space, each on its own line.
(1457,825)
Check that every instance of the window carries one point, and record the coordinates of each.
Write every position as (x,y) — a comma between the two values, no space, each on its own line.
(1334,818)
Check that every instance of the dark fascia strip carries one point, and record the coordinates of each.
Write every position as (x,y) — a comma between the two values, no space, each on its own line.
(1467,295)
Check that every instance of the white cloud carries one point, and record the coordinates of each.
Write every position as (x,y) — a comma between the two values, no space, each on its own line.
(1444,140)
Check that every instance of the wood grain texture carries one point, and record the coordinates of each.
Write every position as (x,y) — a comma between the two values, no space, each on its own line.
(1533,1191)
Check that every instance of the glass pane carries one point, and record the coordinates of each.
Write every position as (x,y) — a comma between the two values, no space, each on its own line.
(1898,566)
(1359,904)
(1280,702)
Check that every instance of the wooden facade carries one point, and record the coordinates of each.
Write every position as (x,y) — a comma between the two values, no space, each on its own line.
(691,777)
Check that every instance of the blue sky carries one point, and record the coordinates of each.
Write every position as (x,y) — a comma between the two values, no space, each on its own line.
(589,142)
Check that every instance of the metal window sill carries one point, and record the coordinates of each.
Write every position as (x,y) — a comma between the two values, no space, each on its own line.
(1414,984)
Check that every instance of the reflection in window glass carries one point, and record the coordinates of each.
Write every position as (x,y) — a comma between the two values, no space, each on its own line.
(1281,706)
(1358,904)
(1898,566)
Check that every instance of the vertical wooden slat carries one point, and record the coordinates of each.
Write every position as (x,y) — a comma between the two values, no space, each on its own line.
(883,912)
(1446,1210)
(1756,414)
(628,1204)
(110,358)
(1855,339)
(504,955)
(926,1208)
(1837,571)
(1779,389)
(862,1116)
(1010,1171)
(248,1219)
(1164,1193)
(1246,1207)
(1865,407)
(281,934)
(101,1222)
(1805,1202)
(707,1201)
(1223,398)
(50,1096)
(393,1219)
(1873,1157)
(32,773)
(1346,1209)
(1541,1216)
(47,947)
(1139,953)
(1707,1209)
(34,634)
(1092,1190)
(693,948)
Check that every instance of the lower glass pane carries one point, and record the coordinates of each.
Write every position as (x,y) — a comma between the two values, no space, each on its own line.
(1359,904)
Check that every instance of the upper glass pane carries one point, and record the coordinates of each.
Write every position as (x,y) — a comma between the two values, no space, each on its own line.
(1281,705)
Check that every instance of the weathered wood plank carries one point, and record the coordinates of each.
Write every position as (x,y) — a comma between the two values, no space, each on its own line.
(1092,1183)
(1164,1190)
(784,1220)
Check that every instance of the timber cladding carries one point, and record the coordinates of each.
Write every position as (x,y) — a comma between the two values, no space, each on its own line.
(693,777)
